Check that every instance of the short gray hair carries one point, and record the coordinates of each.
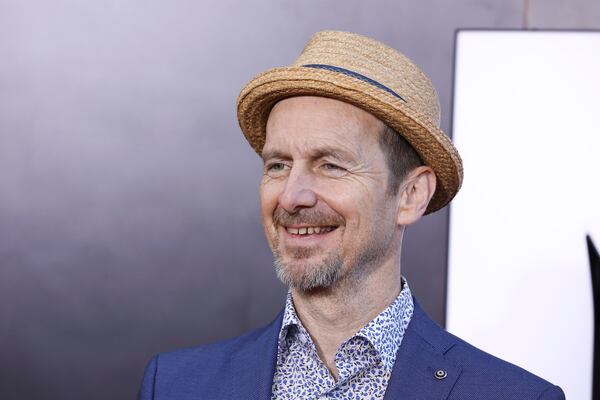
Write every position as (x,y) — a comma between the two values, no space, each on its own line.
(401,157)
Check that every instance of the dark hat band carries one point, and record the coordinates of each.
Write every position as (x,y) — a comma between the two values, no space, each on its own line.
(357,76)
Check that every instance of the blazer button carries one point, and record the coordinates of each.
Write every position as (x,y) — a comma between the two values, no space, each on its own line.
(440,374)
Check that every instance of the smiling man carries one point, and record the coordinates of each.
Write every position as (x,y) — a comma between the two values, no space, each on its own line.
(352,154)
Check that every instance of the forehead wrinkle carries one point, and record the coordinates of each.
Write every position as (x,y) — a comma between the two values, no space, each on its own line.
(308,150)
(331,151)
(273,154)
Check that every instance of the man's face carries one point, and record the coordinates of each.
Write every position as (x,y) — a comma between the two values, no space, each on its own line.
(325,207)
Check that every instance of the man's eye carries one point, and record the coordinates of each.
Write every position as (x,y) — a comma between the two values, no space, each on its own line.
(333,170)
(331,166)
(275,168)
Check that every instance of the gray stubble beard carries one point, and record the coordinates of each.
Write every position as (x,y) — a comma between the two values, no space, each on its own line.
(307,277)
(329,271)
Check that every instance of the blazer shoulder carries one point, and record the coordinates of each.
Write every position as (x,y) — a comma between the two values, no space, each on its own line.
(484,371)
(208,369)
(215,353)
(483,374)
(485,366)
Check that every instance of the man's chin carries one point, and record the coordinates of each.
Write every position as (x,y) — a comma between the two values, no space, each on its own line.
(306,274)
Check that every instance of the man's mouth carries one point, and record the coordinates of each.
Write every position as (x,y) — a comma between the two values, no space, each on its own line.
(309,230)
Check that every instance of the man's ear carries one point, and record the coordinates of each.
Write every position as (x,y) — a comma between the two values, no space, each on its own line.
(416,191)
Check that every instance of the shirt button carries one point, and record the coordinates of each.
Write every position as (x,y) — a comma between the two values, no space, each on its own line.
(440,374)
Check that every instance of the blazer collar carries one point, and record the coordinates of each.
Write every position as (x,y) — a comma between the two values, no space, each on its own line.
(253,366)
(419,358)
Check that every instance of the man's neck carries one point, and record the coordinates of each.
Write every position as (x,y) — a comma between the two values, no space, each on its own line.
(335,314)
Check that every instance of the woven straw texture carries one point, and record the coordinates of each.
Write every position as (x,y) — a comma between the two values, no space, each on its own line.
(415,115)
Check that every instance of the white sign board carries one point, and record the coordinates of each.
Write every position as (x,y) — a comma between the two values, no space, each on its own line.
(527,124)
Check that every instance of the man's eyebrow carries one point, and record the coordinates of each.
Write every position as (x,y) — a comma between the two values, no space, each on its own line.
(271,154)
(334,152)
(320,152)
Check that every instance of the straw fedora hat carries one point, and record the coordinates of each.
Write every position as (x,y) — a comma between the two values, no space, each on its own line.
(372,76)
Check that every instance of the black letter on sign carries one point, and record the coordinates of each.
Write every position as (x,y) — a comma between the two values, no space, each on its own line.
(595,268)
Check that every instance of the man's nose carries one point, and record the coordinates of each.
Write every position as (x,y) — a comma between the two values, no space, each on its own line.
(298,192)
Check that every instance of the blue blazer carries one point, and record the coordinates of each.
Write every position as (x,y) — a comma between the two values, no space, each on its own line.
(243,367)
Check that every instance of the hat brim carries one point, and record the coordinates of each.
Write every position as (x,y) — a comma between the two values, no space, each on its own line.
(435,149)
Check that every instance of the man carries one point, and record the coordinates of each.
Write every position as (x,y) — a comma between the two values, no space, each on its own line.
(352,155)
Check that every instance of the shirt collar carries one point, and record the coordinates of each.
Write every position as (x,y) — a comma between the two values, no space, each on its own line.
(384,332)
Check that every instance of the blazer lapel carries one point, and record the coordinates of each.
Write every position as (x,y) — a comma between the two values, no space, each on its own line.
(419,358)
(253,366)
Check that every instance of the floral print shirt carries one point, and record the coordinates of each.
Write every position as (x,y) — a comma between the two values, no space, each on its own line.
(364,362)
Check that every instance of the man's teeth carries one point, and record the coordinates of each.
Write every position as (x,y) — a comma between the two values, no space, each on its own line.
(309,230)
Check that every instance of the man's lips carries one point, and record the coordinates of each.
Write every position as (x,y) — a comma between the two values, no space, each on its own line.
(306,222)
(308,230)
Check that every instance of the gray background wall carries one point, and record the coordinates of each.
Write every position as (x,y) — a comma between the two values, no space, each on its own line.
(128,198)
